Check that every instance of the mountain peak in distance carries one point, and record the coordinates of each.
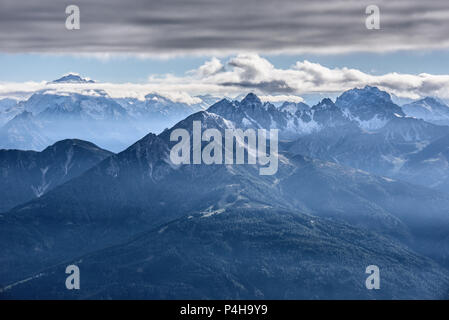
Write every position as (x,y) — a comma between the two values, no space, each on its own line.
(369,106)
(72,78)
(251,98)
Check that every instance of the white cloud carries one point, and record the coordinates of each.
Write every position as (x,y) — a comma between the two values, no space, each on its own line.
(209,68)
(281,98)
(250,72)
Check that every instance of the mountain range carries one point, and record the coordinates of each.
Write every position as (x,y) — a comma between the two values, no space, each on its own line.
(157,230)
(349,192)
(50,115)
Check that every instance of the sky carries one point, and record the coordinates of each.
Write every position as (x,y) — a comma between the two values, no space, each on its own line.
(287,48)
(129,68)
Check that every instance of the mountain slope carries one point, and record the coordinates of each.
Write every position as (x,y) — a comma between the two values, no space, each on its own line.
(244,253)
(293,108)
(24,132)
(8,110)
(428,109)
(74,106)
(429,166)
(29,174)
(383,151)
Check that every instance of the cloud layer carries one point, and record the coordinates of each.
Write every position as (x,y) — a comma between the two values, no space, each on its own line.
(249,72)
(172,27)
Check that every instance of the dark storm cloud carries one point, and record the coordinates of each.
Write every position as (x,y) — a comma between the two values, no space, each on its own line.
(226,26)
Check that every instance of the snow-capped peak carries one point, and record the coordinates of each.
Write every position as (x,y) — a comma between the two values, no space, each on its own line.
(369,105)
(72,78)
